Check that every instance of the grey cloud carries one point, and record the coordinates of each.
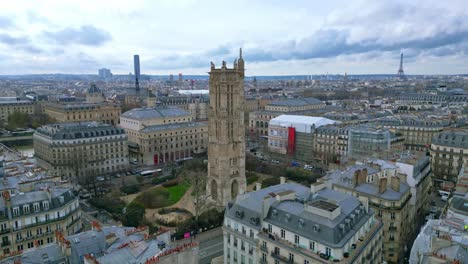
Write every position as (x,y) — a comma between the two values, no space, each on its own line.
(10,40)
(85,35)
(20,43)
(6,22)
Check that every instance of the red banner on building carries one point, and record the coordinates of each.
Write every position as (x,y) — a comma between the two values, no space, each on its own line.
(291,140)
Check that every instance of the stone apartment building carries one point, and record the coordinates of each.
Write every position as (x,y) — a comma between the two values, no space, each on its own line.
(449,153)
(291,223)
(330,143)
(295,104)
(94,109)
(386,192)
(163,134)
(77,151)
(417,131)
(30,220)
(8,105)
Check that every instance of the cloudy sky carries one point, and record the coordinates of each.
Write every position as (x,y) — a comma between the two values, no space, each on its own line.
(278,37)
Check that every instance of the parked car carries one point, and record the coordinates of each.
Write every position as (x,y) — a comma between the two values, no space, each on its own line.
(273,161)
(444,198)
(308,167)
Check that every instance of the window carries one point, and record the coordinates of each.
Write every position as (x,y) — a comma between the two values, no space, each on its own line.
(312,245)
(392,215)
(291,257)
(36,207)
(15,211)
(296,239)
(251,233)
(26,209)
(306,261)
(283,233)
(269,228)
(277,251)
(328,251)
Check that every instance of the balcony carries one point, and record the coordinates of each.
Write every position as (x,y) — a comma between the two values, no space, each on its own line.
(48,221)
(263,248)
(281,258)
(6,243)
(392,228)
(350,257)
(4,231)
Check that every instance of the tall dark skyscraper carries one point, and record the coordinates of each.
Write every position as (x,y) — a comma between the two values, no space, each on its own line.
(136,64)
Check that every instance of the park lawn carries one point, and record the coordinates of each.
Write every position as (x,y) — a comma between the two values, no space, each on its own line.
(176,192)
(159,197)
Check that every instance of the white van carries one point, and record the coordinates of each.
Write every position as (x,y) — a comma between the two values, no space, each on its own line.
(444,198)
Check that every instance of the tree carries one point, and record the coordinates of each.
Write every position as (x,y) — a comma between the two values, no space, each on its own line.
(134,214)
(195,172)
(18,120)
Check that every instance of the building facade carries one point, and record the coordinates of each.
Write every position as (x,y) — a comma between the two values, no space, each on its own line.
(384,190)
(226,145)
(366,141)
(330,143)
(94,109)
(290,223)
(293,135)
(81,151)
(29,220)
(163,134)
(9,105)
(418,132)
(294,105)
(449,152)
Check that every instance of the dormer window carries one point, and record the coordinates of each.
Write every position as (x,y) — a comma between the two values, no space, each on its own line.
(15,211)
(45,205)
(26,209)
(36,207)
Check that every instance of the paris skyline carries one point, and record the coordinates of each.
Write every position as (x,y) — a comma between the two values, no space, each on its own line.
(278,38)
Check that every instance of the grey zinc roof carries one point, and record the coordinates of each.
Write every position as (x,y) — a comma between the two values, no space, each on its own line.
(174,126)
(250,206)
(158,112)
(296,102)
(455,138)
(78,130)
(138,252)
(89,242)
(251,203)
(328,232)
(344,178)
(47,254)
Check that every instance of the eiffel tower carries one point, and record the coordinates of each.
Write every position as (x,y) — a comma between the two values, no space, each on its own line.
(401,73)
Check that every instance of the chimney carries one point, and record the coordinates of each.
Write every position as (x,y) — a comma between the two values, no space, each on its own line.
(382,185)
(363,175)
(315,187)
(356,178)
(258,186)
(395,183)
(282,180)
(403,177)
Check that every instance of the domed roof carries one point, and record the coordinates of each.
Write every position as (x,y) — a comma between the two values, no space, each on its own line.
(93,89)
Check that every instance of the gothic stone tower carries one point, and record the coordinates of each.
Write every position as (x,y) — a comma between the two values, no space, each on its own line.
(226,146)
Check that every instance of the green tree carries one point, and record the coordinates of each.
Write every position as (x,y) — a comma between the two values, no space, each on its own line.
(18,120)
(134,214)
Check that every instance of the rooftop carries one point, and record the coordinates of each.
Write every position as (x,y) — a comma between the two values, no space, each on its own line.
(296,102)
(158,112)
(300,123)
(78,130)
(174,126)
